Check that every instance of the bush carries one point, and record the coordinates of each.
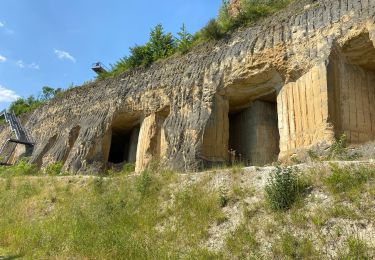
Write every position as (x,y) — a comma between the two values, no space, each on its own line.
(54,168)
(144,182)
(24,105)
(212,31)
(283,188)
(159,46)
(21,168)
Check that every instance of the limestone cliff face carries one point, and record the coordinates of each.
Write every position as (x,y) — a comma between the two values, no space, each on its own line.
(183,110)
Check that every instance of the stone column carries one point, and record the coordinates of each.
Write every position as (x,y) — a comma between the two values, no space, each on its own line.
(303,112)
(216,134)
(151,143)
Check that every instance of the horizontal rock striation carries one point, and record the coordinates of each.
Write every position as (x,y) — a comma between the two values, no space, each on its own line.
(180,102)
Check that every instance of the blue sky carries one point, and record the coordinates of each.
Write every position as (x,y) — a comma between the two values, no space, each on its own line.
(54,42)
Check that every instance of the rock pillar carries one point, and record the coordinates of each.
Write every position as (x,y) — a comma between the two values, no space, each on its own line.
(303,112)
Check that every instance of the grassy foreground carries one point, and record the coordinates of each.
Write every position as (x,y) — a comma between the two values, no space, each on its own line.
(163,215)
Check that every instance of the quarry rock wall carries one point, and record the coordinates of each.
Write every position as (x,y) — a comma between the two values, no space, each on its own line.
(182,105)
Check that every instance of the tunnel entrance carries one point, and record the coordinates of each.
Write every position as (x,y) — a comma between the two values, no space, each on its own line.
(124,146)
(243,123)
(253,132)
(351,89)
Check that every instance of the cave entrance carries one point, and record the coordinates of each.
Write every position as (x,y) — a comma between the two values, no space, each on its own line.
(243,123)
(253,132)
(124,146)
(123,141)
(351,89)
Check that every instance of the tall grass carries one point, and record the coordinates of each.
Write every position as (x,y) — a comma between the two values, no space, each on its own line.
(98,218)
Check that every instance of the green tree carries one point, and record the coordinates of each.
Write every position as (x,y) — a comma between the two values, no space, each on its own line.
(184,40)
(139,56)
(49,93)
(23,105)
(161,44)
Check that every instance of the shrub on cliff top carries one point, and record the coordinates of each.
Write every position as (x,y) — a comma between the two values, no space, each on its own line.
(24,105)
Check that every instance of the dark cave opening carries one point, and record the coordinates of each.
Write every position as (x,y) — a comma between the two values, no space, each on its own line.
(253,133)
(124,146)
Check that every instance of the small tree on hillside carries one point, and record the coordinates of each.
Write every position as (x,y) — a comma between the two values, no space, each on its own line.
(184,41)
(161,44)
(49,93)
(140,56)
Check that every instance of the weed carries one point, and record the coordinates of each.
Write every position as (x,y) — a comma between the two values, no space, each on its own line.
(223,197)
(211,31)
(357,249)
(320,218)
(338,148)
(291,247)
(242,243)
(346,180)
(341,211)
(98,185)
(128,168)
(144,182)
(283,188)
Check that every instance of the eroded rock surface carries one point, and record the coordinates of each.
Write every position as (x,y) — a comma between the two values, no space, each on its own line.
(286,60)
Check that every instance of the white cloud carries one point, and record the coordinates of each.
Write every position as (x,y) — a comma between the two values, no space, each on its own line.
(5,28)
(34,66)
(7,95)
(64,55)
(20,64)
(2,59)
(23,65)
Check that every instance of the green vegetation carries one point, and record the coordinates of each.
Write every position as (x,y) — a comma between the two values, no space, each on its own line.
(164,215)
(349,180)
(337,151)
(357,249)
(249,12)
(126,169)
(242,243)
(23,168)
(24,105)
(161,214)
(160,45)
(291,247)
(284,188)
(54,168)
(100,218)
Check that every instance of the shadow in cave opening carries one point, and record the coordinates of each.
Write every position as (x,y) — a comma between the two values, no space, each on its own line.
(253,132)
(124,145)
